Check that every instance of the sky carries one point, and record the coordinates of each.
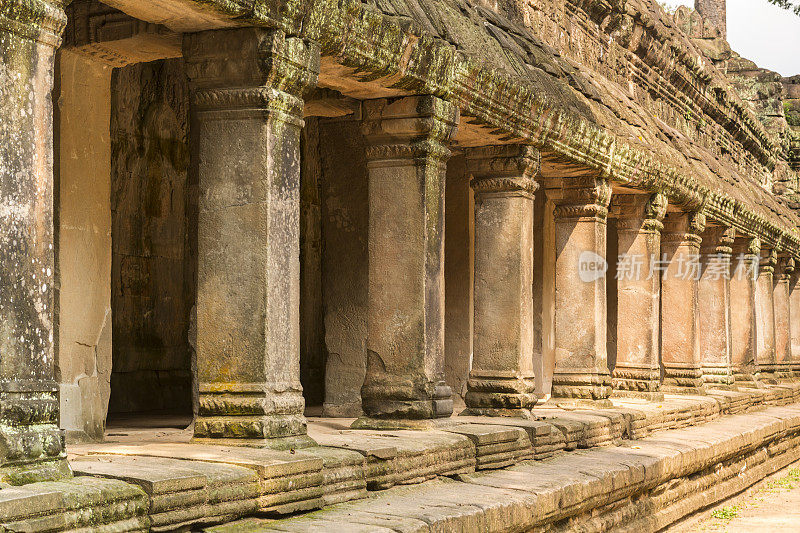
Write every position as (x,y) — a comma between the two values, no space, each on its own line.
(764,33)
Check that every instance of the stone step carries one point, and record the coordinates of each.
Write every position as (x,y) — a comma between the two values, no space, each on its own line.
(82,502)
(181,493)
(637,486)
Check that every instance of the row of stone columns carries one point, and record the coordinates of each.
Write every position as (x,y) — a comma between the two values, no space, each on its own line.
(682,323)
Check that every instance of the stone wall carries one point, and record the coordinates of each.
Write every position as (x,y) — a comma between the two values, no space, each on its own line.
(153,261)
(345,209)
(83,258)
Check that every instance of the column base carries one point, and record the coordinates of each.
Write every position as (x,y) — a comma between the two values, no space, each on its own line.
(718,376)
(636,382)
(766,376)
(683,381)
(32,447)
(641,395)
(581,386)
(406,400)
(249,411)
(496,392)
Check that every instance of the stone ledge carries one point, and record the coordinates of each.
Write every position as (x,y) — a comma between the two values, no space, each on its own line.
(638,486)
(182,484)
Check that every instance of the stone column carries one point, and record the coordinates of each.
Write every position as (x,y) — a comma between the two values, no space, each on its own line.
(680,339)
(247,87)
(581,369)
(31,445)
(794,321)
(765,317)
(746,252)
(783,339)
(639,225)
(714,305)
(501,381)
(406,162)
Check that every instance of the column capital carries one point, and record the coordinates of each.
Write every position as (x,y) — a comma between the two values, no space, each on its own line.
(640,212)
(409,127)
(768,260)
(718,240)
(583,197)
(684,227)
(785,267)
(38,20)
(503,168)
(250,69)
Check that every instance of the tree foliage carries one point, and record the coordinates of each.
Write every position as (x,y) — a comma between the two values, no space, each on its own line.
(787,4)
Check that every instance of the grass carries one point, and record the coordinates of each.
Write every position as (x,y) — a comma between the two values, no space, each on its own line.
(726,513)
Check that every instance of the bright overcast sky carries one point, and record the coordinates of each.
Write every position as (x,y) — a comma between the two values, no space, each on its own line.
(757,30)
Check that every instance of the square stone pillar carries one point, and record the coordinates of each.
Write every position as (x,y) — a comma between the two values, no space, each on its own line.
(247,87)
(639,224)
(581,368)
(31,444)
(680,324)
(765,317)
(501,381)
(406,161)
(783,336)
(714,305)
(746,251)
(794,321)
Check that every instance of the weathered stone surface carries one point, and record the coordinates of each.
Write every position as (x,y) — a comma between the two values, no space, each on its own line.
(639,224)
(743,308)
(714,305)
(680,338)
(406,153)
(765,316)
(581,368)
(31,444)
(70,505)
(247,305)
(181,493)
(501,378)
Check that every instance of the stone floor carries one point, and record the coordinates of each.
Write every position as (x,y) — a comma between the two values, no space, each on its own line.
(567,468)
